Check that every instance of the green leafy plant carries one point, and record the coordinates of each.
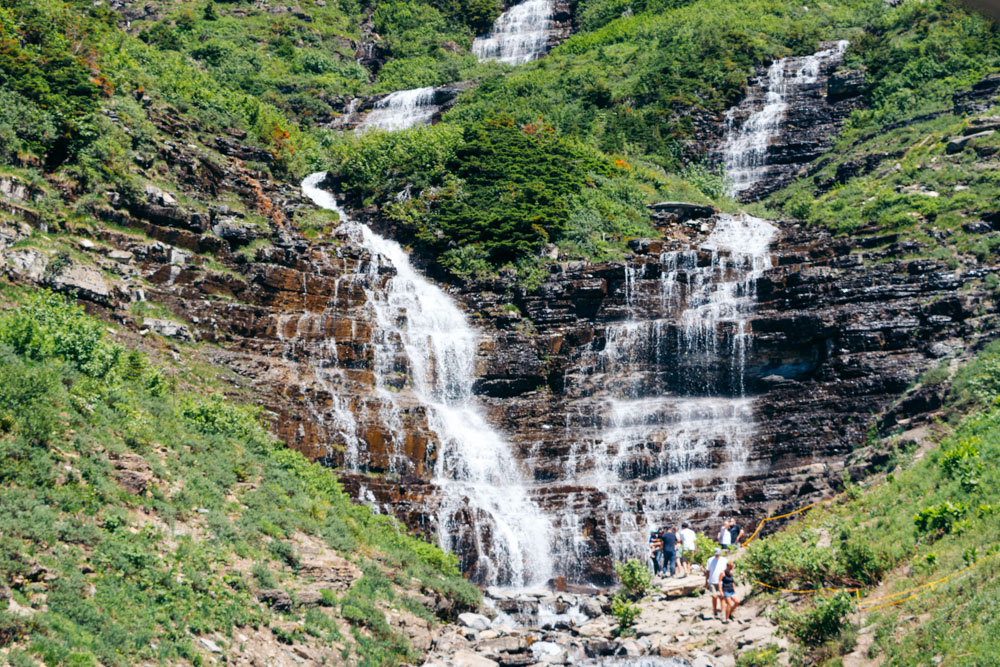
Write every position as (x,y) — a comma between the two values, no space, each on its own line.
(625,612)
(635,577)
(822,621)
(939,519)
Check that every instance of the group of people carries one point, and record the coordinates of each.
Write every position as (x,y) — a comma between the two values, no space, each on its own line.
(666,551)
(667,547)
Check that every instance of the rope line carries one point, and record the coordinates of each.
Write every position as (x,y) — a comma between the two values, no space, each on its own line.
(787,514)
(866,605)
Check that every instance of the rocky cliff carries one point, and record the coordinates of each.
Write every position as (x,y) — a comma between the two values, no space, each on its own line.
(839,330)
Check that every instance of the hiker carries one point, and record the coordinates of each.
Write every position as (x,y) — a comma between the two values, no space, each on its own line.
(669,539)
(655,547)
(714,569)
(736,532)
(725,537)
(727,586)
(689,544)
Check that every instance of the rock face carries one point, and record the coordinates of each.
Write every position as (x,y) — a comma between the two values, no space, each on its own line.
(836,333)
(754,414)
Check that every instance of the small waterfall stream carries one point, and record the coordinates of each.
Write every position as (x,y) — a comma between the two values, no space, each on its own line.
(423,342)
(521,34)
(402,109)
(746,145)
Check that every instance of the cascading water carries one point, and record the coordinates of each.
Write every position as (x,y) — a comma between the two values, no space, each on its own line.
(402,109)
(678,415)
(477,476)
(746,146)
(519,35)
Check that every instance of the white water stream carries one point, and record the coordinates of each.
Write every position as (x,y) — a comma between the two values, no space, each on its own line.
(746,145)
(519,35)
(479,479)
(402,109)
(660,435)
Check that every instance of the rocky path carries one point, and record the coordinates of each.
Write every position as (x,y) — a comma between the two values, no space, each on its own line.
(676,627)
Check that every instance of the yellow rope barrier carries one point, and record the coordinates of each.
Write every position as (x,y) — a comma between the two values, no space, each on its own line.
(867,605)
(788,514)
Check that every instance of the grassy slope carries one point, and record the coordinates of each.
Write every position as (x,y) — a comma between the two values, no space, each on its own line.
(916,59)
(930,515)
(131,577)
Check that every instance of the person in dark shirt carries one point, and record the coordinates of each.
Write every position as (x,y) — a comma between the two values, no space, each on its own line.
(728,587)
(655,551)
(669,538)
(736,534)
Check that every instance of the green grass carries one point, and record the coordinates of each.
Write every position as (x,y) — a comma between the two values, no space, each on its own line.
(73,402)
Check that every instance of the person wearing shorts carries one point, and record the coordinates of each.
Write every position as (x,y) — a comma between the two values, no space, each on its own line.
(689,544)
(714,569)
(727,586)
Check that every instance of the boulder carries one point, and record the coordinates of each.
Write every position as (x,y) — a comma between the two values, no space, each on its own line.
(275,598)
(958,144)
(158,197)
(982,124)
(466,658)
(168,328)
(474,621)
(84,281)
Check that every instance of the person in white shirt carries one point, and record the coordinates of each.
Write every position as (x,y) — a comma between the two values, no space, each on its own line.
(689,544)
(714,569)
(725,537)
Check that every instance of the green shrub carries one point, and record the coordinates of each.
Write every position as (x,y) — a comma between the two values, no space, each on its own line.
(962,462)
(704,549)
(625,611)
(765,656)
(939,519)
(860,560)
(635,577)
(821,622)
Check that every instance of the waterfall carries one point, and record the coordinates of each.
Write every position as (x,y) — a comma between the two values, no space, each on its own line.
(519,35)
(678,415)
(477,476)
(402,109)
(745,148)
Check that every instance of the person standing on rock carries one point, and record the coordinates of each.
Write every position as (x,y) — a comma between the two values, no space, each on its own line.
(669,539)
(725,537)
(689,544)
(728,587)
(714,570)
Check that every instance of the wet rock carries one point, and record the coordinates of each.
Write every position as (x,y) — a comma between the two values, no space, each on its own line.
(845,84)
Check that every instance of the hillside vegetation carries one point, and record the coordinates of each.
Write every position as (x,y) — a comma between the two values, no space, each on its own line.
(931,516)
(137,518)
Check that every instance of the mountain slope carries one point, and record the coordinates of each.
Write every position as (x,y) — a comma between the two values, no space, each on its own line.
(145,518)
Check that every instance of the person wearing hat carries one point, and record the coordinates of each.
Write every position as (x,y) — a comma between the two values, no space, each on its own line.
(714,569)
